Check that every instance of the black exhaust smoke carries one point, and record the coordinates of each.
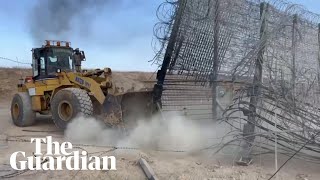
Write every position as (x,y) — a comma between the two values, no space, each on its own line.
(55,19)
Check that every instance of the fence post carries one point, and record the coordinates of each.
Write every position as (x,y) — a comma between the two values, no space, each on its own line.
(294,44)
(215,60)
(249,127)
(319,57)
(158,88)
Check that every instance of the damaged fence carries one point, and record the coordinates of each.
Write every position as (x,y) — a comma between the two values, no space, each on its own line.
(253,64)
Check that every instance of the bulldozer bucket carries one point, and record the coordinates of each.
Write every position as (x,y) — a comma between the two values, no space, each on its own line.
(127,109)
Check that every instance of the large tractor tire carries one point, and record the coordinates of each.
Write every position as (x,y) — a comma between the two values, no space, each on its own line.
(70,103)
(21,110)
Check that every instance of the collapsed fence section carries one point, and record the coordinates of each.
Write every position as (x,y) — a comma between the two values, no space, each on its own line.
(272,48)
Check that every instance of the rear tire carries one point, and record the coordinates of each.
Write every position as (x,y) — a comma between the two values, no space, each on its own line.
(21,110)
(70,103)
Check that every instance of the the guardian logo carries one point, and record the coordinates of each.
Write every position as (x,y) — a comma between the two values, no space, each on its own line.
(63,157)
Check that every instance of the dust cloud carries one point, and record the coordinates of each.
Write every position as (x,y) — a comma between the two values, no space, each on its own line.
(174,132)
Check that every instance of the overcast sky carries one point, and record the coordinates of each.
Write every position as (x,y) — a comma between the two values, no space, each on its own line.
(116,34)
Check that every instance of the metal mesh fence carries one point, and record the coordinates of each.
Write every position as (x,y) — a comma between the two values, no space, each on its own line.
(271,48)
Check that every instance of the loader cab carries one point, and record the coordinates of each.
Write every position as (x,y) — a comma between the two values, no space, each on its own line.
(51,59)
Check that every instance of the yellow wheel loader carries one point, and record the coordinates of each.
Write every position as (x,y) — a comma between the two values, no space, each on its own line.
(61,88)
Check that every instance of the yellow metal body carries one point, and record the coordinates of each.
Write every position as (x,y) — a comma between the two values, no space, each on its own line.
(42,91)
(113,101)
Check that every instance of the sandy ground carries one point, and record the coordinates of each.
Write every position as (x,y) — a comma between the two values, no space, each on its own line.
(200,165)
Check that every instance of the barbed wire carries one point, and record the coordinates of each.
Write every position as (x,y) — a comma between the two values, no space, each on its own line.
(16,61)
(64,65)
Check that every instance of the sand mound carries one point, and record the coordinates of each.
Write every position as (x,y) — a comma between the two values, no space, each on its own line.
(9,78)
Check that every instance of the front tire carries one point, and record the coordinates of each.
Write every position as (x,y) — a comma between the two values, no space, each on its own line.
(21,110)
(69,103)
